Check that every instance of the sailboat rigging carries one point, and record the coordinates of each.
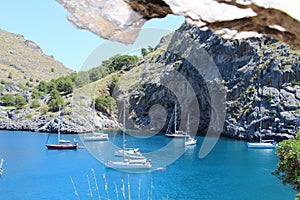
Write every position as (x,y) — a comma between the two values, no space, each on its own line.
(129,162)
(61,144)
(189,140)
(176,133)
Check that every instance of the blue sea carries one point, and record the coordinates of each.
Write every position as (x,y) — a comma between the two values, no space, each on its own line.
(229,171)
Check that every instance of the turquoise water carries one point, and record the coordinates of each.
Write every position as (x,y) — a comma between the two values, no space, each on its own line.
(230,171)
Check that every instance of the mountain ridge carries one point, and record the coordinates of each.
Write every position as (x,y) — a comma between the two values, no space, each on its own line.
(22,61)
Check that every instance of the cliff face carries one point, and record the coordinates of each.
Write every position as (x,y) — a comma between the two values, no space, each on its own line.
(237,86)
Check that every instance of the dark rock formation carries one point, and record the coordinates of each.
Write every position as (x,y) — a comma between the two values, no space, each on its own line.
(260,75)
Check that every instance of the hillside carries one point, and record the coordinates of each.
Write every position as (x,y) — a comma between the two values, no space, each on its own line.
(236,87)
(24,61)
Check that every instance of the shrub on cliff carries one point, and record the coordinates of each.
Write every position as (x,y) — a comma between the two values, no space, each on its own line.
(35,104)
(8,99)
(20,101)
(103,103)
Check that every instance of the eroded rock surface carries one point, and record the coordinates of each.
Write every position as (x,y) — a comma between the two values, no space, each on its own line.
(121,20)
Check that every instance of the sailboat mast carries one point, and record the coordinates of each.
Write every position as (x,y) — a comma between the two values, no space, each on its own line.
(124,128)
(260,109)
(58,129)
(188,124)
(175,118)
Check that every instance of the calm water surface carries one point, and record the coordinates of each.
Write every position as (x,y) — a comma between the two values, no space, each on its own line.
(230,171)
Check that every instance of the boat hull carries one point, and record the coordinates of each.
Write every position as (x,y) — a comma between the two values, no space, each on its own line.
(261,145)
(61,146)
(127,165)
(95,138)
(190,142)
(176,135)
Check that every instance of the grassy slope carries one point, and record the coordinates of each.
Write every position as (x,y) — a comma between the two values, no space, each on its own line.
(25,60)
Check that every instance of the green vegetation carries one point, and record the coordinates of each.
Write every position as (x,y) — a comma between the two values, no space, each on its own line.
(1,88)
(35,104)
(9,75)
(22,87)
(113,64)
(268,97)
(113,84)
(8,99)
(288,167)
(103,103)
(27,116)
(56,87)
(36,94)
(272,112)
(145,51)
(294,82)
(44,109)
(20,101)
(251,89)
(56,101)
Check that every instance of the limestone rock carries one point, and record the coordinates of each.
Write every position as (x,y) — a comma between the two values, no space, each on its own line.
(113,20)
(121,19)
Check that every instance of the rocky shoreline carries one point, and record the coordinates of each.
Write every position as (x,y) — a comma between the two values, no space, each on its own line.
(30,120)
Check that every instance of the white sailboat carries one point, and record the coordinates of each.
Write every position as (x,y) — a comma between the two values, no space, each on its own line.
(189,140)
(1,166)
(128,151)
(95,137)
(61,144)
(129,162)
(176,133)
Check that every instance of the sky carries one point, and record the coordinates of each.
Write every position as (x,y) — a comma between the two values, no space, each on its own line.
(45,23)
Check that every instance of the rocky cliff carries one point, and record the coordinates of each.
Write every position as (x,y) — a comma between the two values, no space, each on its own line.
(121,20)
(245,85)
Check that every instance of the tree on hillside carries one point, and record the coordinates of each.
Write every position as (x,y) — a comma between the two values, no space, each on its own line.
(56,101)
(8,99)
(144,52)
(42,86)
(20,101)
(119,62)
(288,167)
(51,86)
(68,86)
(36,94)
(65,85)
(35,104)
(94,74)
